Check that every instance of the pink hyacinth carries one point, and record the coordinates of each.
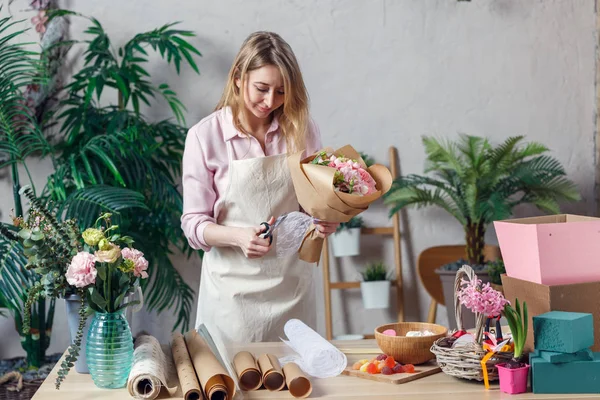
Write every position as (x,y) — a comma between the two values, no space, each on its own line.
(82,270)
(481,299)
(140,263)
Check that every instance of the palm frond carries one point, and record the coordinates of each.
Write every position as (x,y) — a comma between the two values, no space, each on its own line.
(474,149)
(14,278)
(88,203)
(442,154)
(417,197)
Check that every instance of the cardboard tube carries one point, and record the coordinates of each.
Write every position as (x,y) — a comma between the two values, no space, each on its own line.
(298,384)
(190,387)
(247,370)
(272,373)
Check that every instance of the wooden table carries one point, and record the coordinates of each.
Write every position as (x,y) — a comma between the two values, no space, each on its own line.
(436,387)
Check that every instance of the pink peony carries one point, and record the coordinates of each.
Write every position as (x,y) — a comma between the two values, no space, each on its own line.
(82,270)
(141,264)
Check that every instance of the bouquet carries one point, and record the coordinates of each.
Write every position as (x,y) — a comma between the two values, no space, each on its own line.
(350,175)
(99,265)
(334,185)
(104,272)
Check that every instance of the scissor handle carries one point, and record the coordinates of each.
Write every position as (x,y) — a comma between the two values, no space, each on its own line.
(267,233)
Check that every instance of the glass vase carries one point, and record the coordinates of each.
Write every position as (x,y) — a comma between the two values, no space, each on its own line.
(109,350)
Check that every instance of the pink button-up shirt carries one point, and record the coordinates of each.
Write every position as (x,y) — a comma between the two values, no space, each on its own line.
(205,166)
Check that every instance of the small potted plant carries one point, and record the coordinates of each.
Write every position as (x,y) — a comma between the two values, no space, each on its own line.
(346,240)
(514,373)
(375,287)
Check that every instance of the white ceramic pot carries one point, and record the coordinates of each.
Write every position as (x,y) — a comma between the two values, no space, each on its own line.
(346,242)
(375,294)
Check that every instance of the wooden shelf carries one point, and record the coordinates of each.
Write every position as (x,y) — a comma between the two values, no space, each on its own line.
(385,230)
(393,231)
(351,285)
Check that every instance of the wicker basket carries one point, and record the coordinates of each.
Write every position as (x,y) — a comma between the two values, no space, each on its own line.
(465,361)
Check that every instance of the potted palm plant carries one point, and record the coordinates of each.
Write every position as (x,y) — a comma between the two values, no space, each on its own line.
(513,374)
(375,287)
(478,183)
(346,240)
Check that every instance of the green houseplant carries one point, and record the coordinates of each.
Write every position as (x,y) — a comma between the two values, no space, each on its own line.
(478,183)
(108,143)
(94,163)
(513,374)
(375,286)
(346,239)
(20,137)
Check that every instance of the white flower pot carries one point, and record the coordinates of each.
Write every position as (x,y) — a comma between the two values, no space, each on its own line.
(375,294)
(346,242)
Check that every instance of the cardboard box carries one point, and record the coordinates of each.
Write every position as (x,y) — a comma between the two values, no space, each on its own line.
(579,297)
(572,377)
(551,250)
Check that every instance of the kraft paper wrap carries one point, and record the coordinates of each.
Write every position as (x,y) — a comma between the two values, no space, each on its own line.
(152,370)
(314,189)
(272,373)
(188,380)
(213,377)
(247,371)
(298,384)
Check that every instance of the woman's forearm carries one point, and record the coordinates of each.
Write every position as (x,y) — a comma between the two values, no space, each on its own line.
(216,235)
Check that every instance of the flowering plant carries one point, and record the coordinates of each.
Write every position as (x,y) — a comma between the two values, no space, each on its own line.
(350,176)
(481,299)
(106,270)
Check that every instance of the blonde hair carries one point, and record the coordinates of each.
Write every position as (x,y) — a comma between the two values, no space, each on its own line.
(258,50)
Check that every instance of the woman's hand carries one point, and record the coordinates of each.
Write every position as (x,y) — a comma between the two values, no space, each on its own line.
(251,244)
(325,228)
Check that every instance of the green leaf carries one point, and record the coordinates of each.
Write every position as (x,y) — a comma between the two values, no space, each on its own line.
(101,269)
(97,298)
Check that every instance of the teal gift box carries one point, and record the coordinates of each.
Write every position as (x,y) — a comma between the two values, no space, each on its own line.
(570,377)
(563,332)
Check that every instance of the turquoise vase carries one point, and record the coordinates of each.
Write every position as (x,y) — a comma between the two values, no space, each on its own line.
(109,350)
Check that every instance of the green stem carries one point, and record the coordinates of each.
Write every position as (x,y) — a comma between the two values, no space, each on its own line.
(120,100)
(108,297)
(30,178)
(16,188)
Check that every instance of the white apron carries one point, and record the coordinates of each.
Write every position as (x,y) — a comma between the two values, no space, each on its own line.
(249,300)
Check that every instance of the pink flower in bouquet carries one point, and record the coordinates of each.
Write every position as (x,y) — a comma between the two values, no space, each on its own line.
(140,263)
(481,299)
(350,177)
(82,270)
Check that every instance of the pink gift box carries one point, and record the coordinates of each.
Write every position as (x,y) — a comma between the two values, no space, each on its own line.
(551,250)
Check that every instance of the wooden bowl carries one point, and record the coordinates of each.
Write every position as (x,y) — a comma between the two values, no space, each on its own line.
(409,350)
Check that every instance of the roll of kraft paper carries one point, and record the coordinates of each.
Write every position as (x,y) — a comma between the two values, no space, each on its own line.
(152,370)
(190,387)
(247,371)
(272,373)
(214,380)
(298,384)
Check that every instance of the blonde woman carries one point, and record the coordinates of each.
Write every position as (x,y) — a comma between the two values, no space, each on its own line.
(235,175)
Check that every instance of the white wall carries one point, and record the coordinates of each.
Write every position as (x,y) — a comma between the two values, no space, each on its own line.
(383,73)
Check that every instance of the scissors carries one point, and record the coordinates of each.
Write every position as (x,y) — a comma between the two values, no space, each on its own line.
(268,233)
